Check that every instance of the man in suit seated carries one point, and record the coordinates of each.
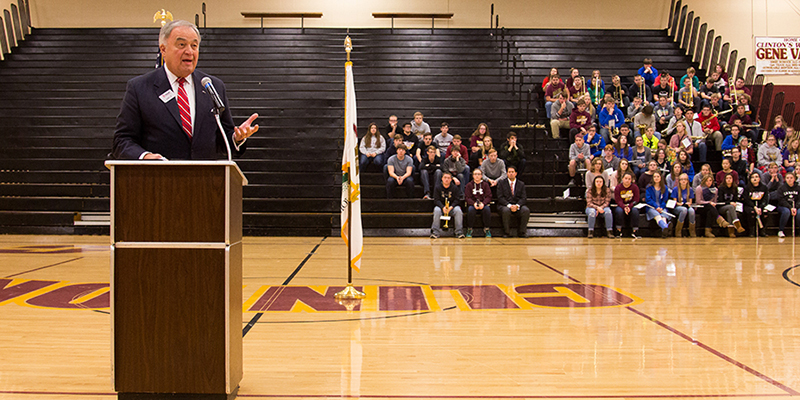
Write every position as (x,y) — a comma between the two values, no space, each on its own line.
(511,199)
(167,114)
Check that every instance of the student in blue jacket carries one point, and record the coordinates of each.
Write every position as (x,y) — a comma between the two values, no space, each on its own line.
(656,197)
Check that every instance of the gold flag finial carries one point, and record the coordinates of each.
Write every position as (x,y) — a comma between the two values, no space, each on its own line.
(163,15)
(348,46)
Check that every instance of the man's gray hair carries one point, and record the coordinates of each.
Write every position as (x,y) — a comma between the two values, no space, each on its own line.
(166,30)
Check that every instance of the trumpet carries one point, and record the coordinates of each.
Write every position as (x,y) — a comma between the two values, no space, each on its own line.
(642,92)
(583,86)
(446,218)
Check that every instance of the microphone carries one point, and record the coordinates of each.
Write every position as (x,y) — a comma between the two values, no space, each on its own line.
(218,105)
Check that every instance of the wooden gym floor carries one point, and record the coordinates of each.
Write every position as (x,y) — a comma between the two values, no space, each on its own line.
(444,319)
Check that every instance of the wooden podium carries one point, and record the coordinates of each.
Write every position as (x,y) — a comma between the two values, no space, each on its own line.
(176,279)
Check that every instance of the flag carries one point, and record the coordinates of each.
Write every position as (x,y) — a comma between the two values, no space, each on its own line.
(351,188)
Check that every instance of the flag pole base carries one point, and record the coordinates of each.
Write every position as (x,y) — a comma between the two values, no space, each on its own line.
(349,293)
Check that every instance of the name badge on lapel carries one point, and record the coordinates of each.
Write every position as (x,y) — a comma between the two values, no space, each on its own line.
(167,96)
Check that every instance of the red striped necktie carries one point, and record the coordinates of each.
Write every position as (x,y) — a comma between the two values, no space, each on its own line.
(183,105)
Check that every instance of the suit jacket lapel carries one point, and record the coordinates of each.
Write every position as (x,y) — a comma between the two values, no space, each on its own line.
(202,104)
(162,85)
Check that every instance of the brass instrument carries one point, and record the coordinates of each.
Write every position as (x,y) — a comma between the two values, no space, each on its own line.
(583,86)
(732,86)
(642,92)
(446,217)
(671,91)
(596,91)
(691,97)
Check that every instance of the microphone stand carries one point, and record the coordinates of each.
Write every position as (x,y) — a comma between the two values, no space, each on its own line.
(222,132)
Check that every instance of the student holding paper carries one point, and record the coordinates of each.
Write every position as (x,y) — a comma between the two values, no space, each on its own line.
(788,196)
(681,202)
(728,204)
(656,196)
(708,199)
(756,198)
(626,194)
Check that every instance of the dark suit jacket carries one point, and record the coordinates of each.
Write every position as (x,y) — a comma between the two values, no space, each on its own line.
(505,197)
(145,123)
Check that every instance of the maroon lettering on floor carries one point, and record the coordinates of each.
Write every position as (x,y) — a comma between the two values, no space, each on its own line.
(64,297)
(572,295)
(402,298)
(482,297)
(10,292)
(284,298)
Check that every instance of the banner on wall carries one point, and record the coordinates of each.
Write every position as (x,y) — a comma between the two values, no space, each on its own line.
(777,55)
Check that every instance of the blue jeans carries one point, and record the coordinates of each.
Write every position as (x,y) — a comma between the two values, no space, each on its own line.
(456,217)
(365,161)
(547,106)
(591,214)
(682,212)
(632,217)
(702,149)
(425,177)
(784,219)
(391,184)
(486,216)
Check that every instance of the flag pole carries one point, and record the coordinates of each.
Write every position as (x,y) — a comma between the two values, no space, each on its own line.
(349,297)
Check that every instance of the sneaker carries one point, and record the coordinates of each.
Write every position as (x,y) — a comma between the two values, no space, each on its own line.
(610,234)
(635,235)
(434,236)
(487,233)
(469,232)
(460,235)
(591,234)
(427,197)
(572,183)
(781,234)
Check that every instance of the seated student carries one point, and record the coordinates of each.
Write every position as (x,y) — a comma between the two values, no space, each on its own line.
(662,160)
(400,168)
(446,200)
(788,196)
(719,69)
(731,141)
(635,107)
(707,198)
(791,155)
(596,169)
(430,167)
(477,158)
(418,126)
(707,90)
(561,109)
(511,200)
(740,166)
(688,96)
(574,75)
(372,147)
(410,140)
(790,134)
(690,73)
(677,117)
(641,156)
(479,196)
(392,148)
(422,149)
(596,75)
(596,92)
(648,72)
(512,154)
(622,149)
(773,179)
(553,71)
(744,122)
(719,81)
(443,139)
(683,194)
(681,141)
(456,145)
(656,196)
(703,128)
(457,167)
(598,200)
(392,128)
(649,139)
(665,85)
(778,130)
(727,169)
(727,199)
(755,198)
(618,93)
(716,104)
(493,169)
(705,170)
(554,88)
(595,141)
(675,173)
(626,195)
(664,111)
(476,140)
(644,120)
(638,88)
(580,119)
(686,163)
(647,176)
(624,168)
(609,159)
(769,153)
(576,89)
(579,156)
(610,118)
(740,91)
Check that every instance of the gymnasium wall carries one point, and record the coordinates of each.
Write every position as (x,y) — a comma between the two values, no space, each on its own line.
(357,13)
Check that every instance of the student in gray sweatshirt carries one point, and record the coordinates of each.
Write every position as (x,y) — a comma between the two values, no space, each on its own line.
(494,169)
(580,155)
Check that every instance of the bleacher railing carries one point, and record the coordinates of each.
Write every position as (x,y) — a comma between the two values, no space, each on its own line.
(15,24)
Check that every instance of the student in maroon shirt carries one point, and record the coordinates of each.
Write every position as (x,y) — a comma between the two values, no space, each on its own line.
(626,195)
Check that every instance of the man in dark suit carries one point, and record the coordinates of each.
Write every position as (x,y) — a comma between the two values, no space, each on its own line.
(511,199)
(167,114)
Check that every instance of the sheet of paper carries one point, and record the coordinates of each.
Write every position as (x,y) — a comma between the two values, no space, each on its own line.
(671,203)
